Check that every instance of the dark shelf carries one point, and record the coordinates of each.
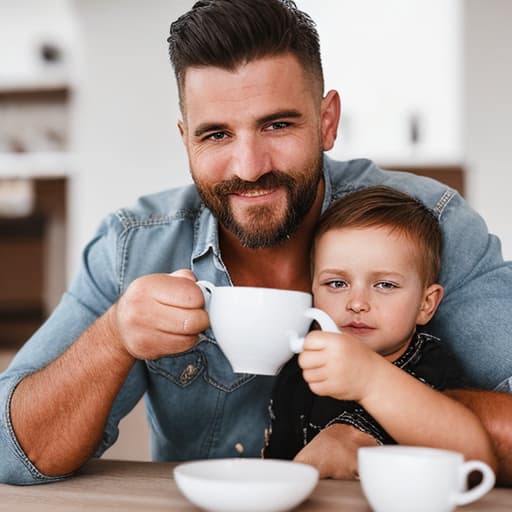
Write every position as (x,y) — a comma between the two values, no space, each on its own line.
(16,227)
(28,272)
(451,175)
(35,93)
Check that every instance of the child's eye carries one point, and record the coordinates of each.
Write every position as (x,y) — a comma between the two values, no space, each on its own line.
(385,285)
(337,283)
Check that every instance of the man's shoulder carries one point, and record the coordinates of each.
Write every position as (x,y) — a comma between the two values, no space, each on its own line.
(166,206)
(348,176)
(157,234)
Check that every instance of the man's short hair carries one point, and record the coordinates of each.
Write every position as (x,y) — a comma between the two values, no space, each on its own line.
(381,206)
(229,33)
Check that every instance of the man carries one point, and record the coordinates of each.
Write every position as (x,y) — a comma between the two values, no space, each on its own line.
(255,126)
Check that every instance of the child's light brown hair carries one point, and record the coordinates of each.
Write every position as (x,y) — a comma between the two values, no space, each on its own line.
(381,206)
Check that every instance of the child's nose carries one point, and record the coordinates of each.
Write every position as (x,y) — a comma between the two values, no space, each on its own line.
(358,303)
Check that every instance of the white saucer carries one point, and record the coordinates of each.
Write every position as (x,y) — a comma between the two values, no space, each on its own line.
(245,485)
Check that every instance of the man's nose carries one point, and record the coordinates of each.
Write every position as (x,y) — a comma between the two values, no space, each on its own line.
(251,158)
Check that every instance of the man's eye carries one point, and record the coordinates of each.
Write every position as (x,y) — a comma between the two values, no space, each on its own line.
(216,136)
(278,125)
(338,283)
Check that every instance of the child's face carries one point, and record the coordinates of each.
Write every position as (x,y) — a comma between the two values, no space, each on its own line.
(369,281)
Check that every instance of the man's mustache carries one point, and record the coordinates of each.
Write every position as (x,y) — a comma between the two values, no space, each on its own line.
(268,181)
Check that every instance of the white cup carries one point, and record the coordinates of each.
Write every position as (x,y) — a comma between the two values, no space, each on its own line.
(409,478)
(259,329)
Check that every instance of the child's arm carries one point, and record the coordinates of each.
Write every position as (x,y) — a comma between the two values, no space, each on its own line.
(334,451)
(341,366)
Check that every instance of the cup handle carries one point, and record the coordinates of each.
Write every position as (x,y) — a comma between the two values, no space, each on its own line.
(207,289)
(324,320)
(487,483)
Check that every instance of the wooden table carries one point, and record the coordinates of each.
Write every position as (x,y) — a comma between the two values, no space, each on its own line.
(106,485)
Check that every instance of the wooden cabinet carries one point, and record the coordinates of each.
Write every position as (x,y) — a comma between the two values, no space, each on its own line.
(32,262)
(21,278)
(33,139)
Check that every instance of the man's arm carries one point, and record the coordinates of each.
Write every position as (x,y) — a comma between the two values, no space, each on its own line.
(58,413)
(495,412)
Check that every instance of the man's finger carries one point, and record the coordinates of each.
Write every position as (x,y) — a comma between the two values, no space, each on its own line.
(185,273)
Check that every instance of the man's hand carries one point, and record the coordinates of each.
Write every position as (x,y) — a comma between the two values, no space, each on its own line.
(160,314)
(334,451)
(59,412)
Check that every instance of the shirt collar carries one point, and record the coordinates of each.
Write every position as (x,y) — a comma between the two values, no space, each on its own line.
(206,234)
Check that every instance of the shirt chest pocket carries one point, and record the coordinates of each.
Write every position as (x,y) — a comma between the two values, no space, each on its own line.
(181,369)
(206,362)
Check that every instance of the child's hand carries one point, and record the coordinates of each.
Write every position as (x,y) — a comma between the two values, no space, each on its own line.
(339,365)
(333,451)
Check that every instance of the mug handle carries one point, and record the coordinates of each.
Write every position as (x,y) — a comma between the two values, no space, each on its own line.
(324,320)
(207,289)
(487,483)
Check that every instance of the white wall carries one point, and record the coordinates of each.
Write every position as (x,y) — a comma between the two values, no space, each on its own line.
(392,60)
(488,112)
(125,136)
(24,24)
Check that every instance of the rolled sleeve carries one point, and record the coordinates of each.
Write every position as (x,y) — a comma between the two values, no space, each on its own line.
(505,386)
(90,294)
(15,466)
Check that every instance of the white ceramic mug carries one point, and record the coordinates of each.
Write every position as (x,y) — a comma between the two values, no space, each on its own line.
(259,329)
(408,478)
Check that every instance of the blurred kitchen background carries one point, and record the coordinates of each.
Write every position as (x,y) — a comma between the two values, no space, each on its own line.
(88,112)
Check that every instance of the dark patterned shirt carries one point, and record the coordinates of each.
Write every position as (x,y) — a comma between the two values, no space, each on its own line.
(297,415)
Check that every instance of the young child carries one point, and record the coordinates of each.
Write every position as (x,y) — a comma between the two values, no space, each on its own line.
(375,266)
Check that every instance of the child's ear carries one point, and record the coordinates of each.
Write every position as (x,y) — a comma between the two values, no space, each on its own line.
(431,298)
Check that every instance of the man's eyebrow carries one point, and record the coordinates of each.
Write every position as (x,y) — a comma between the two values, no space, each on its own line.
(280,115)
(209,127)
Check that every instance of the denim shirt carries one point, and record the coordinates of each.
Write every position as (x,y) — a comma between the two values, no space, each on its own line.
(196,406)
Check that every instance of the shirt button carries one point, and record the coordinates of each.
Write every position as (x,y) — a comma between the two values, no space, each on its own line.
(188,373)
(239,447)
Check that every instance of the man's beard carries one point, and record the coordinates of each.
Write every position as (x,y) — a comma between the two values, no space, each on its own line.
(262,228)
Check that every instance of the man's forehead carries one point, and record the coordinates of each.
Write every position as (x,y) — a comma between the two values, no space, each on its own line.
(256,72)
(268,81)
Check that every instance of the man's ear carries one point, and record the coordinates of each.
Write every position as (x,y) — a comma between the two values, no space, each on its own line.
(431,298)
(330,118)
(181,128)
